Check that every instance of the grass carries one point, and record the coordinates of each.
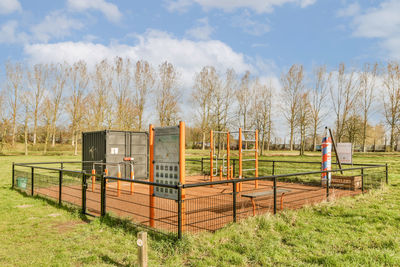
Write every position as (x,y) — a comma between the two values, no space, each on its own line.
(359,231)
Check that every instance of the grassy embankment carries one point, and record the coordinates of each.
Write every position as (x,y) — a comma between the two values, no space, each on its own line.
(364,230)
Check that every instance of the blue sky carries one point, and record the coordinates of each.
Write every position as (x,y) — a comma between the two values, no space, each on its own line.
(265,36)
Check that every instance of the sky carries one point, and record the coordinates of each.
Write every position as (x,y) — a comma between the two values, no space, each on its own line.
(263,36)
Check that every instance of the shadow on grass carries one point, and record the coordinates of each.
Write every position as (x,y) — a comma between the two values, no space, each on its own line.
(111,221)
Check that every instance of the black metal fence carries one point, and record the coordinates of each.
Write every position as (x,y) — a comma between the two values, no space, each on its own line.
(200,205)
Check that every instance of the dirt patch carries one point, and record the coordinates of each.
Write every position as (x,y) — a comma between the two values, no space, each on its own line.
(24,206)
(66,227)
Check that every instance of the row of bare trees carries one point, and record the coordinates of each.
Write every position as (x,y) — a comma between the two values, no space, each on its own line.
(36,102)
(347,97)
(111,96)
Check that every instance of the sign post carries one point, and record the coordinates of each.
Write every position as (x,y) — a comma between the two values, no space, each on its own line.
(326,148)
(345,152)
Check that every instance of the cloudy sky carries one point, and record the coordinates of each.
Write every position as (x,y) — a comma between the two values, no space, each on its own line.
(263,36)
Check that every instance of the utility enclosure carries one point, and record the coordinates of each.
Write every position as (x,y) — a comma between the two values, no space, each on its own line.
(110,147)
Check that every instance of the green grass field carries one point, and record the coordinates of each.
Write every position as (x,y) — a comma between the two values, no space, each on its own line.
(359,231)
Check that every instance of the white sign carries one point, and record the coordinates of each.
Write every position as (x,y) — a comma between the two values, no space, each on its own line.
(114,150)
(345,152)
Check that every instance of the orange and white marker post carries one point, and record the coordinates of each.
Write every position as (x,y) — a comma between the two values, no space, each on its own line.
(211,156)
(240,160)
(256,158)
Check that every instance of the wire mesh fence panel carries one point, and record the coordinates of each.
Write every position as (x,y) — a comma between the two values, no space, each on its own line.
(208,213)
(374,178)
(282,167)
(22,179)
(194,167)
(46,183)
(71,191)
(265,168)
(93,195)
(135,205)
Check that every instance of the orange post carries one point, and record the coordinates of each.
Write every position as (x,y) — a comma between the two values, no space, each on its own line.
(93,178)
(228,158)
(220,173)
(256,157)
(106,172)
(151,167)
(132,178)
(240,159)
(182,168)
(119,182)
(211,156)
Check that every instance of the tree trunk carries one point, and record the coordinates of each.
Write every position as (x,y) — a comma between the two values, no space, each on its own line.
(76,144)
(26,136)
(203,145)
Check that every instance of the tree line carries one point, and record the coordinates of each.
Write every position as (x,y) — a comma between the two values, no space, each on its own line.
(44,102)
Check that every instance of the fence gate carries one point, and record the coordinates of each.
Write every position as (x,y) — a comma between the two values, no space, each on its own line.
(91,195)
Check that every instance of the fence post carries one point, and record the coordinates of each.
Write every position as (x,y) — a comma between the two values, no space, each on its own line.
(273,167)
(362,180)
(142,249)
(387,173)
(84,186)
(234,200)
(274,195)
(32,180)
(60,178)
(13,175)
(202,165)
(179,210)
(103,196)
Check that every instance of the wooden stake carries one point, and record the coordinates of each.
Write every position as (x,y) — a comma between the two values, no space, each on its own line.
(142,249)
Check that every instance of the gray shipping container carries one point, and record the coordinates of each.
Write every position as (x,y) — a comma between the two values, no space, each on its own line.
(111,147)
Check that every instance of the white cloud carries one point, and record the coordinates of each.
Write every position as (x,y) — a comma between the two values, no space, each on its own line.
(247,23)
(9,34)
(202,31)
(258,6)
(153,46)
(382,22)
(9,6)
(57,25)
(110,10)
(351,10)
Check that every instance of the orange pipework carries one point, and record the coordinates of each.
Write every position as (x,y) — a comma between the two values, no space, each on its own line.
(151,174)
(228,157)
(256,157)
(240,159)
(119,182)
(106,172)
(182,169)
(132,178)
(211,156)
(93,178)
(220,173)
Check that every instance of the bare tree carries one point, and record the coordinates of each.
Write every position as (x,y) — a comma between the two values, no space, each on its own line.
(4,121)
(25,101)
(317,100)
(78,80)
(37,78)
(303,118)
(344,96)
(244,97)
(391,99)
(367,87)
(14,75)
(100,108)
(167,95)
(292,85)
(144,81)
(122,94)
(261,110)
(59,74)
(204,86)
